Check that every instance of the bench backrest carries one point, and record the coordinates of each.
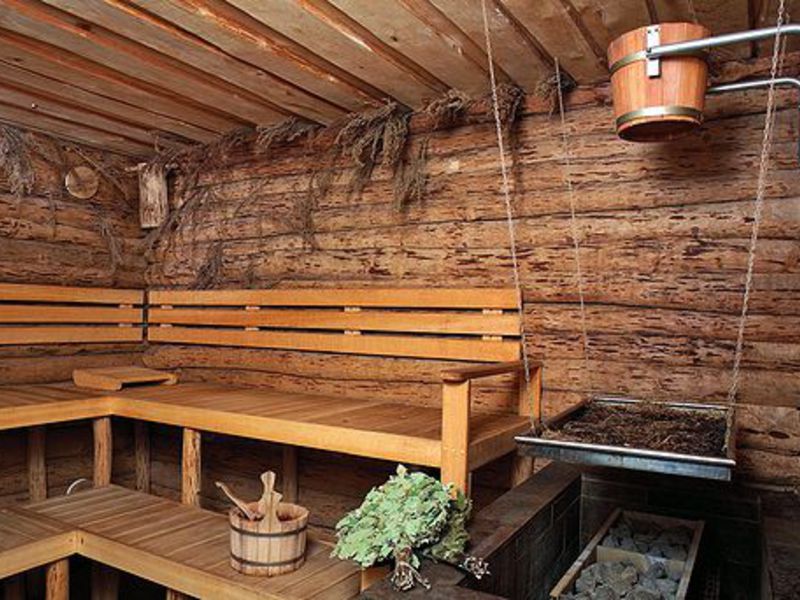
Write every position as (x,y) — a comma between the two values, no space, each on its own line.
(48,314)
(479,324)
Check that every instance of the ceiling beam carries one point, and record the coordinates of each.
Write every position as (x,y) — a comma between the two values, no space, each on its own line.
(250,40)
(151,30)
(68,67)
(327,31)
(69,130)
(553,24)
(45,23)
(125,113)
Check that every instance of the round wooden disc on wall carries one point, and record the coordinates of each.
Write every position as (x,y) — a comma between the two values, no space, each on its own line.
(82,182)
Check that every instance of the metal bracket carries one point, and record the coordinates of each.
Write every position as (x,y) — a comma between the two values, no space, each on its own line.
(653,65)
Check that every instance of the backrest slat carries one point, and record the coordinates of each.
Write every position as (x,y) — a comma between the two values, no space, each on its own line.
(46,314)
(467,298)
(479,324)
(363,320)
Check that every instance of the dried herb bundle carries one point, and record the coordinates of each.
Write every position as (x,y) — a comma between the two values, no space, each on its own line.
(448,109)
(547,88)
(285,132)
(15,161)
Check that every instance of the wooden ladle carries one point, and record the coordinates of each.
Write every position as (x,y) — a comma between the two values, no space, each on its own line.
(241,504)
(268,503)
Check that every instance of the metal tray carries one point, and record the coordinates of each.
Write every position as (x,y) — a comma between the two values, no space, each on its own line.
(637,459)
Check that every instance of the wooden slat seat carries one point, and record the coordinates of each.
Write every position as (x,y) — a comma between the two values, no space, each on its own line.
(477,330)
(183,548)
(386,430)
(391,431)
(40,404)
(28,541)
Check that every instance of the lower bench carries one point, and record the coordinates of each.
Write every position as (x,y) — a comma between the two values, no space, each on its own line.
(180,547)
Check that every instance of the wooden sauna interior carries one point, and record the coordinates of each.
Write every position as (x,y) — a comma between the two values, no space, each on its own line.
(255,110)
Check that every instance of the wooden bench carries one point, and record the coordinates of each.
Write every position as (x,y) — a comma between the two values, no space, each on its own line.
(48,314)
(182,548)
(459,326)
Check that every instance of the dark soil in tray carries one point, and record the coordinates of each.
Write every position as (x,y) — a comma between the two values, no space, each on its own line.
(645,426)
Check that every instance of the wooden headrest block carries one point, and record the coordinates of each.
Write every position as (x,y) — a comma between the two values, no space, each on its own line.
(112,379)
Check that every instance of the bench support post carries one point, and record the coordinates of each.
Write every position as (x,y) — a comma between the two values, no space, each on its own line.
(529,404)
(141,434)
(455,434)
(191,467)
(290,482)
(103,451)
(105,582)
(57,577)
(37,467)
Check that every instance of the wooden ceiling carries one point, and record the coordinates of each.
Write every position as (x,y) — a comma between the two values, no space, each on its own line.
(114,73)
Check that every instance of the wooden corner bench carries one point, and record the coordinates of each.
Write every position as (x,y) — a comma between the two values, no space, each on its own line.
(183,548)
(475,332)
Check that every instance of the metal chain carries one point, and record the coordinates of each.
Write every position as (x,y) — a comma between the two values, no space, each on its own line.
(574,228)
(758,209)
(507,197)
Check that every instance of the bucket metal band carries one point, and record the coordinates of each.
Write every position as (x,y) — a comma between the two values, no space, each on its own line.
(265,534)
(274,563)
(642,55)
(659,111)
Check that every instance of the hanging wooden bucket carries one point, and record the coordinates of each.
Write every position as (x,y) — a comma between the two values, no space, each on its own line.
(653,109)
(269,546)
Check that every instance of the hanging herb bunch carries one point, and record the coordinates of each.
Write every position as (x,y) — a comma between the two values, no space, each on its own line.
(410,517)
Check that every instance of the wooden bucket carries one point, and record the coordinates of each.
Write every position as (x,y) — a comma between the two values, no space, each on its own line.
(654,109)
(268,547)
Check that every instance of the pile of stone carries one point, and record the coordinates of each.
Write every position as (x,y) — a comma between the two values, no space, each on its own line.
(650,539)
(621,580)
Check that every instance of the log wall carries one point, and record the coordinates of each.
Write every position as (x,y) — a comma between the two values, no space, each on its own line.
(49,237)
(664,234)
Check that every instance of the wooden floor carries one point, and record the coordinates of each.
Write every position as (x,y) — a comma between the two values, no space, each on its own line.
(389,431)
(183,548)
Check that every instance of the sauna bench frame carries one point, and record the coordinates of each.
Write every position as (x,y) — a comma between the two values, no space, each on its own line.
(383,430)
(180,547)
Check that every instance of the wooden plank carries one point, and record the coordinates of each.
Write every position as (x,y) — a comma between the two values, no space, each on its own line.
(37,465)
(248,39)
(466,298)
(15,292)
(191,467)
(172,40)
(422,33)
(24,313)
(71,68)
(327,31)
(68,335)
(606,20)
(311,435)
(516,52)
(455,435)
(410,322)
(29,119)
(44,104)
(380,345)
(54,26)
(70,91)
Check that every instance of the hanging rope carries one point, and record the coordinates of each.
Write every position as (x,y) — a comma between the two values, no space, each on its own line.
(758,209)
(512,239)
(574,227)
